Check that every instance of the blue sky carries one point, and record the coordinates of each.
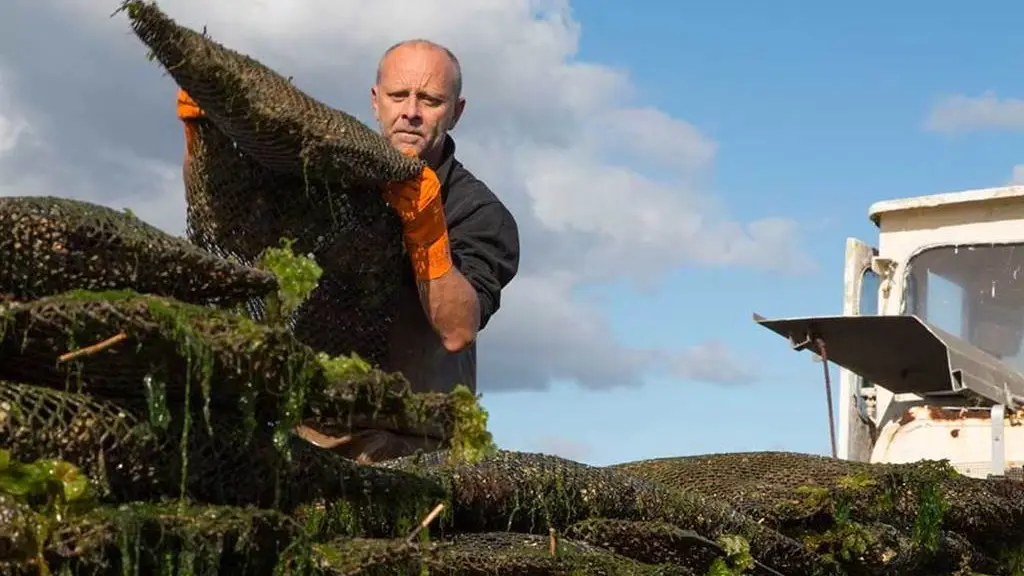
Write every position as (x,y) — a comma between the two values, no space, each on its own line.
(818,110)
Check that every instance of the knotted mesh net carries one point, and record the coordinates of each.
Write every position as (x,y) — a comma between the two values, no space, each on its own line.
(242,198)
(216,355)
(53,245)
(164,539)
(913,516)
(491,554)
(268,117)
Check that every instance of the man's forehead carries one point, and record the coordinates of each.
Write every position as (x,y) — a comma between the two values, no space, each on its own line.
(418,55)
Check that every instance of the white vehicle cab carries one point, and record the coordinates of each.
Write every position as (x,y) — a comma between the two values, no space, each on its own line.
(930,340)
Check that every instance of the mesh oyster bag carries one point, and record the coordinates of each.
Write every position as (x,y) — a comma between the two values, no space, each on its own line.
(109,441)
(376,416)
(138,450)
(237,207)
(53,245)
(263,112)
(484,554)
(144,538)
(352,312)
(219,356)
(866,549)
(936,511)
(531,493)
(364,399)
(649,542)
(230,198)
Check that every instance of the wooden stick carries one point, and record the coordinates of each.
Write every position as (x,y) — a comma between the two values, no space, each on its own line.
(426,522)
(552,542)
(95,348)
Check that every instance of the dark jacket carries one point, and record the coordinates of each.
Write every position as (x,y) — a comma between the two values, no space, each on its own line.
(484,242)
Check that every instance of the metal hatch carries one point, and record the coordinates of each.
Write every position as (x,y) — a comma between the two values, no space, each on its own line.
(904,354)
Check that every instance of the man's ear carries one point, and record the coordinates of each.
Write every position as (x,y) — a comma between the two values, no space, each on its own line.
(373,102)
(460,106)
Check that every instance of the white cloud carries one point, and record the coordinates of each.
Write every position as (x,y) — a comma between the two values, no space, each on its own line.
(563,447)
(13,128)
(151,188)
(565,143)
(959,113)
(713,362)
(1017,176)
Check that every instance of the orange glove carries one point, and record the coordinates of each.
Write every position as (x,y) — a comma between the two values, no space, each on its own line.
(187,107)
(188,113)
(418,203)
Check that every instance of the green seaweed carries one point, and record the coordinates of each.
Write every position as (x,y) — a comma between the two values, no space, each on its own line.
(931,506)
(49,484)
(737,560)
(342,368)
(52,489)
(471,441)
(297,278)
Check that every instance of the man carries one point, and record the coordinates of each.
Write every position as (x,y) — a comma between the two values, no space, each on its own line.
(470,248)
(463,243)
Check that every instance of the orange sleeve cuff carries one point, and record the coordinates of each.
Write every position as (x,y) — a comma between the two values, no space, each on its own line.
(430,261)
(187,107)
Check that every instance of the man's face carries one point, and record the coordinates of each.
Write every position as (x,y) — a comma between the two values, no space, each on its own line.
(414,99)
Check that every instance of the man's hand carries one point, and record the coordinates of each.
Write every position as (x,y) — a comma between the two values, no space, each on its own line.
(418,203)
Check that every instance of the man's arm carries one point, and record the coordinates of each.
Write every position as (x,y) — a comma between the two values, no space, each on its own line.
(453,308)
(484,246)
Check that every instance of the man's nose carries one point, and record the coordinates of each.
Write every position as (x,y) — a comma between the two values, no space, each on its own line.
(411,108)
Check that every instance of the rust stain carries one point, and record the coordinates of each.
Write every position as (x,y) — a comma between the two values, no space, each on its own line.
(954,433)
(935,413)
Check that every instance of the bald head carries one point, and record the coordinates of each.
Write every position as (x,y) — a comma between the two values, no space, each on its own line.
(417,98)
(423,44)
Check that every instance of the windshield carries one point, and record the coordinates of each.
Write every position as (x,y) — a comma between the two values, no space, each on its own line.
(975,292)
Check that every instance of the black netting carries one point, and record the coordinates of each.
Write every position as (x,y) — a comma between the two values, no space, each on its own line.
(651,542)
(219,355)
(53,245)
(488,554)
(133,450)
(926,511)
(237,207)
(165,539)
(346,316)
(533,493)
(264,113)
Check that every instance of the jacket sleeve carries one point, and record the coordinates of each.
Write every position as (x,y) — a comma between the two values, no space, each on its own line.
(485,249)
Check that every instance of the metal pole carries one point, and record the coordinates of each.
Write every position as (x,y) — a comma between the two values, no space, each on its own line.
(820,343)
